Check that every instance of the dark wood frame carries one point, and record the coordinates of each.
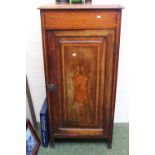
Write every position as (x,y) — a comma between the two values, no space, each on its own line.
(29,125)
(30,102)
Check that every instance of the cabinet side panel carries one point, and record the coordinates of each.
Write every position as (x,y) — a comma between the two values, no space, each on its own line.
(115,71)
(46,71)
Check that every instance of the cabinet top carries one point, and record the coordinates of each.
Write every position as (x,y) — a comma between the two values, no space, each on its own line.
(78,6)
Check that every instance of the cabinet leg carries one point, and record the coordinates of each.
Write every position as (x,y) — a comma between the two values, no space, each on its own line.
(109,143)
(52,143)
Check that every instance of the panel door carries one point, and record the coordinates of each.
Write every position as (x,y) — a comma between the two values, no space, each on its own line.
(80,66)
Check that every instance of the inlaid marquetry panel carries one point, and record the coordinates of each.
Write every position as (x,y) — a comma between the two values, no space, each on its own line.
(80,79)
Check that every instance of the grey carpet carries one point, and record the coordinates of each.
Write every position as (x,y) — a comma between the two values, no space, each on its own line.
(120,145)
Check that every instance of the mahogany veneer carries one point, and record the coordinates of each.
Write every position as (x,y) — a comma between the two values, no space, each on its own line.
(80,48)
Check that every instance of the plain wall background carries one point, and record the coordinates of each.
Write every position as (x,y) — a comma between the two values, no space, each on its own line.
(34,60)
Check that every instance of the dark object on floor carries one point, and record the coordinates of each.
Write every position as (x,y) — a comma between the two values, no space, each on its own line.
(44,124)
(32,140)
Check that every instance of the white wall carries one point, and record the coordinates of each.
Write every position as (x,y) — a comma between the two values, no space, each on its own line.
(34,60)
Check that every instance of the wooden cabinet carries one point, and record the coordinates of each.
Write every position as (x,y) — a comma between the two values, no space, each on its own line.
(80,48)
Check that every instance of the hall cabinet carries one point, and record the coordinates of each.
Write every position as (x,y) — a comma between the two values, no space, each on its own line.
(80,50)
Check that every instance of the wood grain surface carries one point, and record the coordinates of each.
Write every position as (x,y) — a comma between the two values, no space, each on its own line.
(81,49)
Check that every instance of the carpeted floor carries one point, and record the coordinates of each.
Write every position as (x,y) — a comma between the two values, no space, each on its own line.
(120,145)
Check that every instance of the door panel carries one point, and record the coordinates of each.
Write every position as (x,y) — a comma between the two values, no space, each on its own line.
(80,81)
(79,67)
